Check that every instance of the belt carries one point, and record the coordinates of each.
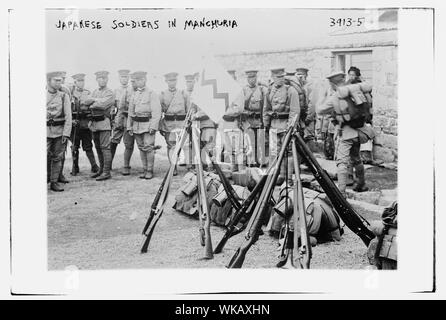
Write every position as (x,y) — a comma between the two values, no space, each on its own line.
(125,112)
(81,116)
(142,119)
(97,118)
(203,118)
(174,117)
(252,115)
(230,118)
(55,123)
(279,115)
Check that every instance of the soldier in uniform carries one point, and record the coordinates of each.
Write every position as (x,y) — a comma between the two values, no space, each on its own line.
(254,95)
(101,102)
(143,121)
(347,138)
(309,106)
(58,126)
(280,108)
(122,98)
(175,104)
(81,133)
(68,90)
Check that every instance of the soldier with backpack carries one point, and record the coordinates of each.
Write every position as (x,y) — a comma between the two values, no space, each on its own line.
(351,106)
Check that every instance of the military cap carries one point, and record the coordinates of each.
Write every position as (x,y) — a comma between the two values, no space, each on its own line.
(290,72)
(78,76)
(124,72)
(189,77)
(101,74)
(302,69)
(138,75)
(251,73)
(171,75)
(335,74)
(55,74)
(278,72)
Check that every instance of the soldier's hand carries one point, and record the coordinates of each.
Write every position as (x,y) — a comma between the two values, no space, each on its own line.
(130,132)
(64,139)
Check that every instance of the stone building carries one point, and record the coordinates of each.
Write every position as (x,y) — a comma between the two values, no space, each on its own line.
(374,50)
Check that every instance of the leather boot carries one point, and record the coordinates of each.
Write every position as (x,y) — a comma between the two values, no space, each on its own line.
(48,169)
(90,156)
(54,176)
(107,165)
(75,166)
(342,179)
(143,155)
(113,147)
(127,156)
(150,156)
(62,178)
(360,174)
(101,164)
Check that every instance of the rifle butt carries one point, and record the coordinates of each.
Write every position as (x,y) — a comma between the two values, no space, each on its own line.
(146,243)
(219,248)
(237,260)
(208,254)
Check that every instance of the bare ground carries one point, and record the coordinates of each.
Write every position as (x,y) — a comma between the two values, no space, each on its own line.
(97,225)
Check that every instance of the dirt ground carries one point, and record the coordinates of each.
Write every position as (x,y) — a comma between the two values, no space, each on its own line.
(97,225)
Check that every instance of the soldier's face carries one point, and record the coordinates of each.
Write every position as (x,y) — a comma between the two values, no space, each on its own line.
(351,76)
(79,84)
(124,80)
(172,83)
(102,81)
(133,82)
(190,85)
(55,83)
(279,81)
(252,81)
(140,83)
(301,76)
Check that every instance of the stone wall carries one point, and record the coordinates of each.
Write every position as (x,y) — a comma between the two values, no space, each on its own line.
(320,61)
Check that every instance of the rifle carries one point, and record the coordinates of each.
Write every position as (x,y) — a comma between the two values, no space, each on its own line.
(304,252)
(351,218)
(157,207)
(203,206)
(262,205)
(232,195)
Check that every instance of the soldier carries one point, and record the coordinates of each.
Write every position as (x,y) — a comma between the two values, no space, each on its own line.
(280,108)
(347,137)
(58,126)
(175,104)
(208,131)
(122,100)
(81,133)
(254,95)
(68,90)
(143,121)
(101,102)
(310,118)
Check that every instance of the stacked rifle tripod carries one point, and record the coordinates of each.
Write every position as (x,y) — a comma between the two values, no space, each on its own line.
(296,250)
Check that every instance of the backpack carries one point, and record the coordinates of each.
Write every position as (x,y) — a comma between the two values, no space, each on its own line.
(355,104)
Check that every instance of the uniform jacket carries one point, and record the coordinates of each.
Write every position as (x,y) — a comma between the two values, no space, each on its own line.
(173,103)
(143,103)
(58,107)
(81,107)
(104,102)
(122,98)
(254,100)
(284,99)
